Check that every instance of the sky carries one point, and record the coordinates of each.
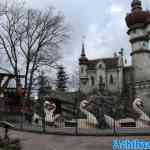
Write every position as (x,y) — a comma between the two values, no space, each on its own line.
(102,22)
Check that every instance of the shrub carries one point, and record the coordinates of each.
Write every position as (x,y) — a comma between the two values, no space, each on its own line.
(10,144)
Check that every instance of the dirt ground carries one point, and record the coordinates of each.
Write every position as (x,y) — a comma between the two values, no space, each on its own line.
(33,141)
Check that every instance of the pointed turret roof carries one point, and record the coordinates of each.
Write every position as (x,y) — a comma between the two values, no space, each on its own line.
(83,59)
(83,51)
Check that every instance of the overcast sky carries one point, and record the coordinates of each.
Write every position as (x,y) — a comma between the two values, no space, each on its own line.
(101,21)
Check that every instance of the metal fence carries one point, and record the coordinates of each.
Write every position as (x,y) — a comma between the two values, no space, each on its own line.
(71,120)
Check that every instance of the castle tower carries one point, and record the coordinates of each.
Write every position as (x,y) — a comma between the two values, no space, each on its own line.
(138,22)
(83,61)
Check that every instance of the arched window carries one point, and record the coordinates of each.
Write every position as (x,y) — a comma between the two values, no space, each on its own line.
(92,80)
(100,79)
(82,70)
(100,66)
(111,80)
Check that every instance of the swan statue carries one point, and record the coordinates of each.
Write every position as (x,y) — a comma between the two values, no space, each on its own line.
(143,120)
(90,121)
(49,109)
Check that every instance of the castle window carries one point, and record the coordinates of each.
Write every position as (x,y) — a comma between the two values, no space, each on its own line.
(92,81)
(100,66)
(111,80)
(100,79)
(82,70)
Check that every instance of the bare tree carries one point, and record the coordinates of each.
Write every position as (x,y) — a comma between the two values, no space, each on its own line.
(9,40)
(31,39)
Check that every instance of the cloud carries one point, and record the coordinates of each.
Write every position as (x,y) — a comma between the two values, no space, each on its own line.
(92,28)
(115,9)
(102,22)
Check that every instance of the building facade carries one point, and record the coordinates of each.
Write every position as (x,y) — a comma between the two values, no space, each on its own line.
(101,74)
(115,76)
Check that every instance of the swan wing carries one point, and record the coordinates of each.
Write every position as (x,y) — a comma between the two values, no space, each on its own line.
(144,117)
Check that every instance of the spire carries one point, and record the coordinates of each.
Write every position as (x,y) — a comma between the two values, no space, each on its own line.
(83,51)
(136,5)
(83,59)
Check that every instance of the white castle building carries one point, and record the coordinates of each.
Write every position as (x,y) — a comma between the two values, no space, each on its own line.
(112,73)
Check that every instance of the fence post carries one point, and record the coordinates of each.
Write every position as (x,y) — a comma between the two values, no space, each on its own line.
(22,112)
(3,113)
(76,115)
(114,122)
(114,126)
(43,115)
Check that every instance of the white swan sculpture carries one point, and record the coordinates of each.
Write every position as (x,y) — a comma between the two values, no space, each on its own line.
(90,121)
(143,120)
(49,109)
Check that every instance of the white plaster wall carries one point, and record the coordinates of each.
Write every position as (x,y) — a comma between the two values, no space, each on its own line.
(137,33)
(140,45)
(84,73)
(141,64)
(84,87)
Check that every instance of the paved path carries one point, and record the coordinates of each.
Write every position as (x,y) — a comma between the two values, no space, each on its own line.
(32,141)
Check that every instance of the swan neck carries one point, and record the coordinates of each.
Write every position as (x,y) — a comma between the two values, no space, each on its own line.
(138,110)
(84,111)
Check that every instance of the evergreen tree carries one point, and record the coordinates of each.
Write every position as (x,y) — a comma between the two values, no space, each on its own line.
(44,87)
(61,82)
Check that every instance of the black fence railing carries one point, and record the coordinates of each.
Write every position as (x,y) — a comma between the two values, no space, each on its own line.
(71,119)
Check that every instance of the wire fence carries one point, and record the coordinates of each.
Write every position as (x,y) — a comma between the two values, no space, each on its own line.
(69,118)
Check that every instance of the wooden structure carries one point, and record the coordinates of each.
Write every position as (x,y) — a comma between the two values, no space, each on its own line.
(10,98)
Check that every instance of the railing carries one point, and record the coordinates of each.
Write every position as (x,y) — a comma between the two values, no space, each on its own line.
(76,123)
